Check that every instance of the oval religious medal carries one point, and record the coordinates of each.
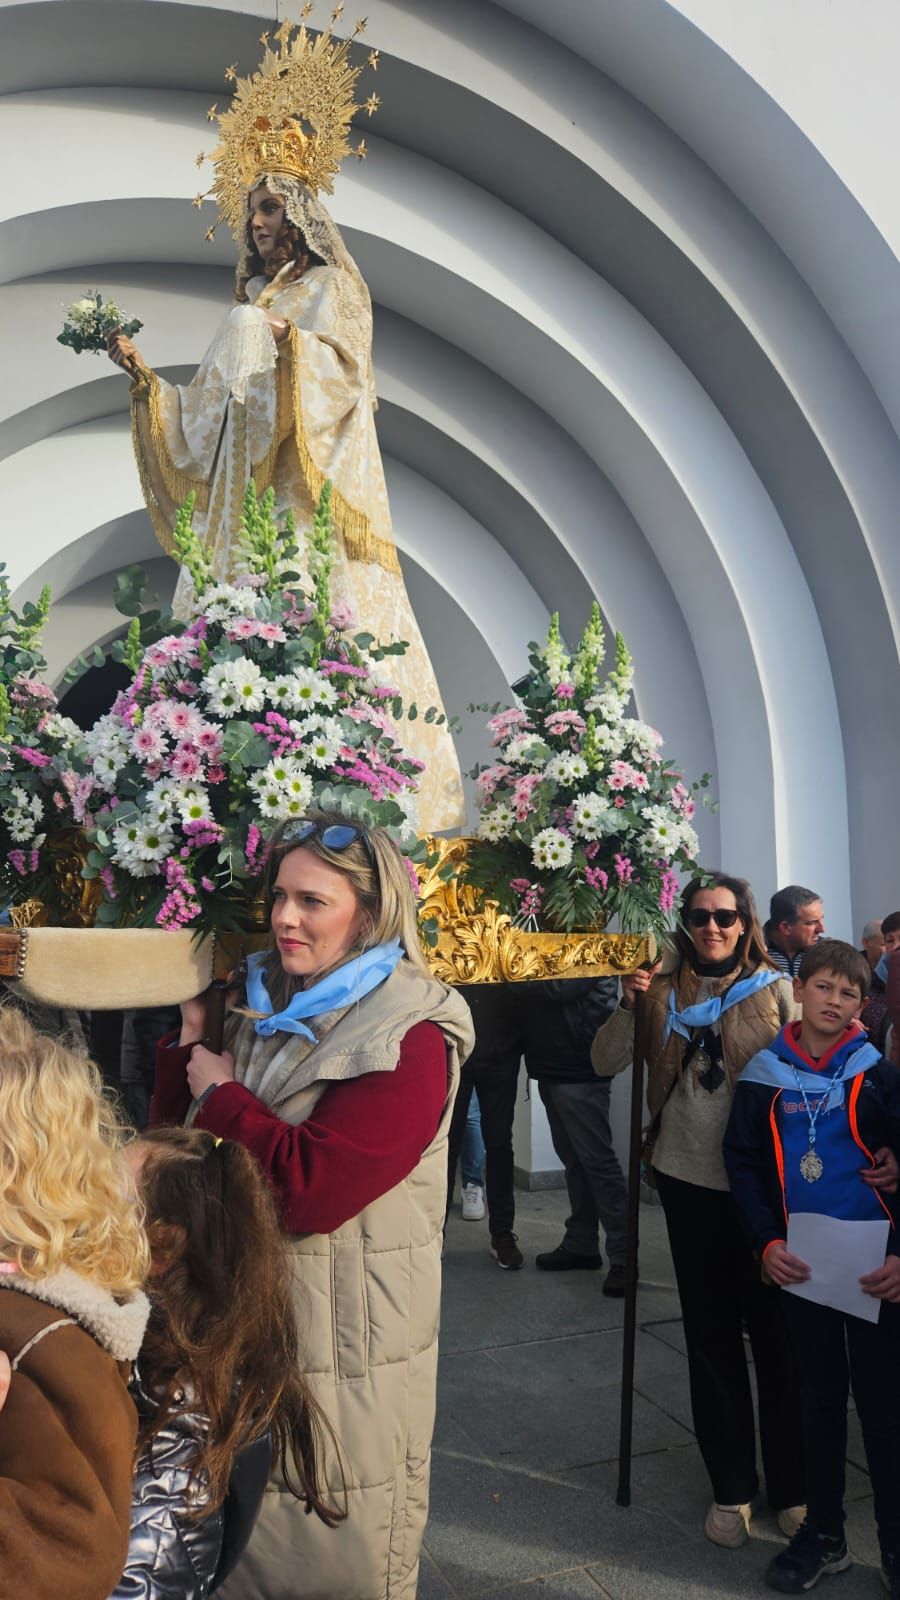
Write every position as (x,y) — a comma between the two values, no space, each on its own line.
(811,1166)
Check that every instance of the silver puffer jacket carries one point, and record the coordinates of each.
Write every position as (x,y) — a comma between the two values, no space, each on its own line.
(170,1557)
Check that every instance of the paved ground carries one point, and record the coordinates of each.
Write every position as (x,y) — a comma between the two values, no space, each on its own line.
(524,1476)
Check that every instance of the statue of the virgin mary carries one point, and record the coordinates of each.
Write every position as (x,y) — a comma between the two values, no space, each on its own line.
(285,394)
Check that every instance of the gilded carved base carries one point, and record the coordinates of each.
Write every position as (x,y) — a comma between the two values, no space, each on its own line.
(479,944)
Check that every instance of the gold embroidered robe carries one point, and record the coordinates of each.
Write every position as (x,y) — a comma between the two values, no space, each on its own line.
(304,414)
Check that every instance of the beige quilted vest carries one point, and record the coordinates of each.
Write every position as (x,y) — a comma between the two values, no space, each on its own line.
(368,1301)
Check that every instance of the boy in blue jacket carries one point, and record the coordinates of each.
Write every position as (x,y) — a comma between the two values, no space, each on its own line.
(815,1127)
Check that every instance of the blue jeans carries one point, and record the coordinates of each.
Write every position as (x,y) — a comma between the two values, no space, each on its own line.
(472,1154)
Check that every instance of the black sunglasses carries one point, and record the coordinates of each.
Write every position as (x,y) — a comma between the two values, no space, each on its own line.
(722,919)
(334,836)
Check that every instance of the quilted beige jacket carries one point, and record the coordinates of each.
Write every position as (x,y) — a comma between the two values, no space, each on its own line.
(368,1302)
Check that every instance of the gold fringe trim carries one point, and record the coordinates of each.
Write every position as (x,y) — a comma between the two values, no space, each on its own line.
(353,525)
(161,525)
(178,483)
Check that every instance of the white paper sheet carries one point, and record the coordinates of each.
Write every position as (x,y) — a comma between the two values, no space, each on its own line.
(838,1254)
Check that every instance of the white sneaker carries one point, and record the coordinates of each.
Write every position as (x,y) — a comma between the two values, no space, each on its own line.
(472,1202)
(728,1526)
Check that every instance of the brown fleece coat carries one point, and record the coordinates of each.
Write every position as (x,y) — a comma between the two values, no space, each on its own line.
(748,1027)
(67,1436)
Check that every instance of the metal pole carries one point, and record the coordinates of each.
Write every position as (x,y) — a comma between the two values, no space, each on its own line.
(629,1331)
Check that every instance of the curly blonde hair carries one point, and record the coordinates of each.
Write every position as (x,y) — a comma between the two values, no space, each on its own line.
(65,1197)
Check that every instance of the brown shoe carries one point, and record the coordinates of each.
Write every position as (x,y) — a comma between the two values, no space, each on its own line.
(614,1283)
(508,1254)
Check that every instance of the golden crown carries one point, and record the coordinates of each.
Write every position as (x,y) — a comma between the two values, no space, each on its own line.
(292,116)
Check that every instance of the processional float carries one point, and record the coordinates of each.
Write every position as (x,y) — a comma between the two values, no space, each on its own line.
(132,853)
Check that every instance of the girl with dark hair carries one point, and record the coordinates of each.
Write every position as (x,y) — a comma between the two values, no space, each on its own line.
(712,1004)
(217,1383)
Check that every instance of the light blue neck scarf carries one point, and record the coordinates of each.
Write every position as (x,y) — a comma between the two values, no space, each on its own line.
(707,1012)
(772,1070)
(343,987)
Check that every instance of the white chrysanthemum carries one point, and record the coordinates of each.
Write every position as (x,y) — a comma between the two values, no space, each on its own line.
(609,705)
(311,689)
(108,736)
(250,684)
(21,826)
(161,800)
(688,840)
(227,600)
(566,769)
(321,750)
(223,699)
(592,816)
(61,728)
(610,740)
(106,769)
(525,749)
(661,839)
(642,737)
(194,804)
(496,823)
(551,849)
(126,837)
(153,843)
(280,692)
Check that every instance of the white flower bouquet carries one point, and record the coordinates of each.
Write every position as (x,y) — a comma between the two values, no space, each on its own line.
(90,321)
(263,705)
(33,739)
(581,818)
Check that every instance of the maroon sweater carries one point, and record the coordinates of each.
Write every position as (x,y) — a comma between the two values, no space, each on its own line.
(364,1136)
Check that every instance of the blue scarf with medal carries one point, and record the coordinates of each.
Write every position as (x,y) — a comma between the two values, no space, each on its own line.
(343,987)
(780,1067)
(707,1012)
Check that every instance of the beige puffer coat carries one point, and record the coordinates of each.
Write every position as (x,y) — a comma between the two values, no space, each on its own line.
(368,1299)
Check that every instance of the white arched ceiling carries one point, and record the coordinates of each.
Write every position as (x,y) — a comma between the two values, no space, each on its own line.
(612,358)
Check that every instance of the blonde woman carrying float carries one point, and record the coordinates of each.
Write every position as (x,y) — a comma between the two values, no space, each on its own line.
(72,1258)
(339,1075)
(286,393)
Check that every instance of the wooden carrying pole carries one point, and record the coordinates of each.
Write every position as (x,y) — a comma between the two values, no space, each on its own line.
(629,1332)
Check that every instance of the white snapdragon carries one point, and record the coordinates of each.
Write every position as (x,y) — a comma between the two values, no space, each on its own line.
(551,849)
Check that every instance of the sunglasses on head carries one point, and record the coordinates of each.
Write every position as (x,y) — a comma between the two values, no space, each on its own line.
(334,836)
(722,919)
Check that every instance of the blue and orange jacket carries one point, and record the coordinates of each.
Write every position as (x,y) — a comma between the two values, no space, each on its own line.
(768,1130)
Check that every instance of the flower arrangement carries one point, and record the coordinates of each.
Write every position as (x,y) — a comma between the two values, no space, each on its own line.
(90,321)
(581,820)
(33,739)
(262,705)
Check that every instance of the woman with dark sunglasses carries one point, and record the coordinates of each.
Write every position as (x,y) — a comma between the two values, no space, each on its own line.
(712,1004)
(339,1072)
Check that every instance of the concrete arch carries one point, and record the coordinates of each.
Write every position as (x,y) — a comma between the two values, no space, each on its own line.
(606,353)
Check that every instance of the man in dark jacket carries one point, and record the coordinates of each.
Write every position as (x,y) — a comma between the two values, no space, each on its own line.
(559,1020)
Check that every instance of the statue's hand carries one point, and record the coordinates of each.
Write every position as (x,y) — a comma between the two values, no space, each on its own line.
(123,351)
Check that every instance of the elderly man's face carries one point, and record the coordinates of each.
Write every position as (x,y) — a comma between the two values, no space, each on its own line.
(873,943)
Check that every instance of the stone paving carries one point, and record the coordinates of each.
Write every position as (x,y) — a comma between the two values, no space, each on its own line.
(524,1471)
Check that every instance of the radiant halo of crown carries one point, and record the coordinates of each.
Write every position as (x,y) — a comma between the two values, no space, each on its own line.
(292,116)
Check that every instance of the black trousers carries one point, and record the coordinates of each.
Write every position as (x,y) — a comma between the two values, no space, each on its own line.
(833,1352)
(578,1114)
(497,1087)
(720,1289)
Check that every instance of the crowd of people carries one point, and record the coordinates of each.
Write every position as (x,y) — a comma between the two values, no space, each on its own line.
(219,1323)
